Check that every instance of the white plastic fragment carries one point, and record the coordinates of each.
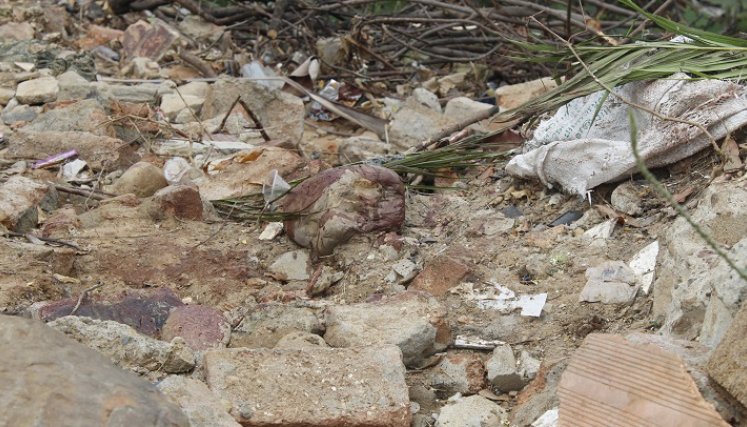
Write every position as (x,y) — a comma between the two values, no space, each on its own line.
(71,170)
(643,265)
(506,301)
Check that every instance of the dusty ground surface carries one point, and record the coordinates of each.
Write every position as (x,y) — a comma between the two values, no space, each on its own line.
(478,231)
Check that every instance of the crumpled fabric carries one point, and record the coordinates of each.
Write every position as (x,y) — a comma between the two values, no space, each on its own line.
(338,203)
(572,152)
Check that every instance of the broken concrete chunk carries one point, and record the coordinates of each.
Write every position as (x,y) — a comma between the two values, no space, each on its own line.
(415,323)
(192,93)
(361,148)
(612,381)
(338,203)
(48,379)
(427,98)
(37,91)
(266,325)
(458,372)
(281,114)
(414,123)
(472,411)
(612,282)
(200,326)
(126,347)
(312,387)
(202,407)
(503,373)
(98,151)
(729,361)
(142,179)
(87,115)
(20,199)
(73,87)
(293,265)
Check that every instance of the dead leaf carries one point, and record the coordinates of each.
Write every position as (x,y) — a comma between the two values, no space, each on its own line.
(731,152)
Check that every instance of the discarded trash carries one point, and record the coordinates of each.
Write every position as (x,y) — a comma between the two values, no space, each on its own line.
(55,160)
(256,71)
(330,92)
(475,343)
(274,187)
(578,153)
(622,383)
(503,299)
(71,171)
(338,203)
(612,282)
(643,265)
(567,218)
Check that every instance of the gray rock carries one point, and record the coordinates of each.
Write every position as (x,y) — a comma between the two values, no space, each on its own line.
(126,347)
(6,94)
(462,108)
(142,179)
(626,198)
(37,91)
(427,98)
(97,150)
(19,113)
(414,123)
(612,282)
(361,148)
(503,373)
(472,411)
(74,87)
(413,322)
(311,387)
(20,198)
(202,407)
(47,379)
(192,93)
(281,114)
(266,325)
(87,115)
(146,92)
(293,265)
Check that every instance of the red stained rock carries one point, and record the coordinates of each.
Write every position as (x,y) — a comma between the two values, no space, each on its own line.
(439,275)
(179,201)
(200,326)
(144,311)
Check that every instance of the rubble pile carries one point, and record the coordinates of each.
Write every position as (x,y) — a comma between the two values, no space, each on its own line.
(182,246)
